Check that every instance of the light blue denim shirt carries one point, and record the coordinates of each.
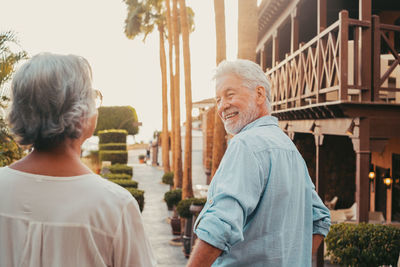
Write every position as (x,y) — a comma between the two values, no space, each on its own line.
(262,208)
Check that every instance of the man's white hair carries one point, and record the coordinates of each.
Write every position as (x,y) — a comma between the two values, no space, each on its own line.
(249,72)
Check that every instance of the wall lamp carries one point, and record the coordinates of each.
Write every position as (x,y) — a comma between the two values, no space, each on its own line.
(388,181)
(371,174)
(350,130)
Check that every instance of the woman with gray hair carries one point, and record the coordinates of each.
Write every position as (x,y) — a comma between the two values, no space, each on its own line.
(54,211)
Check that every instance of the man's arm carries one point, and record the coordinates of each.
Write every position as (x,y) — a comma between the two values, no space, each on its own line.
(316,242)
(203,254)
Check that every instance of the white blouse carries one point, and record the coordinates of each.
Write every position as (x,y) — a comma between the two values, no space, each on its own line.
(69,221)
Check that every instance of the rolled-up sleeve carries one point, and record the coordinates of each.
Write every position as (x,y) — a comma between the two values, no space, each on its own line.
(321,215)
(234,194)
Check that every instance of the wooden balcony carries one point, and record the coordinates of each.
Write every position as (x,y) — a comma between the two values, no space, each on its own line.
(332,69)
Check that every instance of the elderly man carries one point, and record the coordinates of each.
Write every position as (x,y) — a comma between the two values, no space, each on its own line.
(262,209)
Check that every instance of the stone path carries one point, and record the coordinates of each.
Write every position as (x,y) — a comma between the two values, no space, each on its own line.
(155,214)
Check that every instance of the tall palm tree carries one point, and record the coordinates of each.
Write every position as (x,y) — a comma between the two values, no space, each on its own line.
(187,190)
(177,126)
(171,79)
(219,141)
(141,19)
(247,29)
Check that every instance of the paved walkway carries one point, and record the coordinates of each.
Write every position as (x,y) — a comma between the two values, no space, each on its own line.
(155,214)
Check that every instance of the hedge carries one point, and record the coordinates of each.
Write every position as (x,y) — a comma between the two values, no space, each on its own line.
(363,244)
(115,156)
(173,197)
(168,178)
(125,183)
(119,176)
(113,146)
(117,117)
(112,136)
(138,195)
(183,207)
(121,169)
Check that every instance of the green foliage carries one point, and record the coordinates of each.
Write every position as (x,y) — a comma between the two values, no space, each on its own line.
(112,136)
(8,57)
(121,169)
(363,244)
(119,176)
(138,195)
(114,156)
(168,178)
(183,207)
(9,149)
(125,183)
(117,117)
(113,146)
(173,197)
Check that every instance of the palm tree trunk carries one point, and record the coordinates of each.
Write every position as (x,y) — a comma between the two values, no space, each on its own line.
(164,139)
(177,126)
(247,29)
(219,141)
(171,81)
(187,190)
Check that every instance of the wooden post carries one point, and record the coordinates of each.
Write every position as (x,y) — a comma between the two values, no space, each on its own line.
(294,34)
(343,54)
(262,59)
(319,138)
(365,42)
(376,60)
(275,48)
(361,147)
(389,204)
(322,11)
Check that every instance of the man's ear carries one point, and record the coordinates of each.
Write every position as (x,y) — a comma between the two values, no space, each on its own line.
(261,96)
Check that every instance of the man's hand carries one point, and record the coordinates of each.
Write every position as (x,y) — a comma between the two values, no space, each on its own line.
(203,254)
(316,242)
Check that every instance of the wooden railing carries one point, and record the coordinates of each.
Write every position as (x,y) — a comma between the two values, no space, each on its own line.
(330,67)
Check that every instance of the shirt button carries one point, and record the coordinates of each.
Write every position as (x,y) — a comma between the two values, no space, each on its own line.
(210,201)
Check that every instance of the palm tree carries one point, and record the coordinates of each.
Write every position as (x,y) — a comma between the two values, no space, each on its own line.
(187,190)
(219,141)
(177,126)
(141,19)
(247,29)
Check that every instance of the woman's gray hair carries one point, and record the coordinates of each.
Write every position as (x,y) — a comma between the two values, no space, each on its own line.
(52,98)
(249,72)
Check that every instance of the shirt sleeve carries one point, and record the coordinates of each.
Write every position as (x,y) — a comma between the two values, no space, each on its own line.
(321,215)
(131,246)
(235,192)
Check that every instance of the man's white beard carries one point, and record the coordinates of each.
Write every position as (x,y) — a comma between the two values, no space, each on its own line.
(245,117)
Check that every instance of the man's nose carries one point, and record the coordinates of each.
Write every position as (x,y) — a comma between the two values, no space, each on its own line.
(222,105)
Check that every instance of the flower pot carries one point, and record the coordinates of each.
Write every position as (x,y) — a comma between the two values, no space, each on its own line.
(176,225)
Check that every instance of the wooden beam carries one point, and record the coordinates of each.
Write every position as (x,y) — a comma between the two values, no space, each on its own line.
(343,54)
(365,7)
(294,32)
(322,15)
(275,48)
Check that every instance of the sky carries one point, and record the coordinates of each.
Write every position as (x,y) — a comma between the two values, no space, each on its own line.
(127,72)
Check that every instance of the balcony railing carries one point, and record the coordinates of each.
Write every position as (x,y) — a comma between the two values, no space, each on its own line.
(332,68)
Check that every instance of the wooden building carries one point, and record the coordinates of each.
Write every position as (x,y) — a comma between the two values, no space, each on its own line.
(335,75)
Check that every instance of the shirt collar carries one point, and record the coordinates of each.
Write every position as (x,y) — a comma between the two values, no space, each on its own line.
(263,121)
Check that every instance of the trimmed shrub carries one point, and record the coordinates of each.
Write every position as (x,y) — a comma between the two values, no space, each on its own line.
(363,244)
(183,207)
(117,117)
(125,183)
(173,197)
(119,176)
(121,168)
(112,136)
(113,146)
(168,178)
(114,156)
(138,195)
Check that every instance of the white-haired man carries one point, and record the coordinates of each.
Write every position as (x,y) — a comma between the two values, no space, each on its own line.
(262,209)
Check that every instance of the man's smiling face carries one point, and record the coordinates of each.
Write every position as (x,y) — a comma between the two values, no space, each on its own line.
(236,104)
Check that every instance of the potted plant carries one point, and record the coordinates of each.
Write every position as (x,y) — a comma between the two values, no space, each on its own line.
(168,178)
(184,212)
(172,199)
(141,158)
